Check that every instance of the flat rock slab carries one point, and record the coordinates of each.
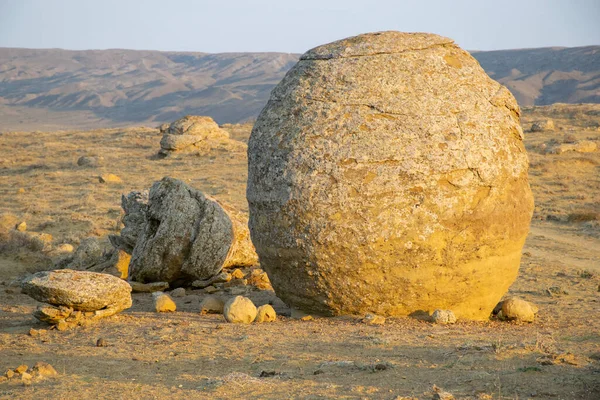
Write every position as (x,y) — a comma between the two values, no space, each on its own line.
(80,290)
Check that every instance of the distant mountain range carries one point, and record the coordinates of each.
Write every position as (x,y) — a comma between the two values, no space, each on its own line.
(61,89)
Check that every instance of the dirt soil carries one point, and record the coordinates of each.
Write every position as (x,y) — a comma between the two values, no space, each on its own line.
(189,355)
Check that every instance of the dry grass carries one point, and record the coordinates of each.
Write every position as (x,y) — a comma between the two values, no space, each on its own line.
(188,355)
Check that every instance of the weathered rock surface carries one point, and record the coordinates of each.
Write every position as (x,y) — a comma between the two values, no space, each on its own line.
(387,174)
(80,290)
(185,236)
(239,310)
(188,132)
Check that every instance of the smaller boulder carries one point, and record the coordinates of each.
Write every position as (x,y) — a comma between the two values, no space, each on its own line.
(195,125)
(81,290)
(239,310)
(443,317)
(542,126)
(87,161)
(265,313)
(515,309)
(21,226)
(211,305)
(163,302)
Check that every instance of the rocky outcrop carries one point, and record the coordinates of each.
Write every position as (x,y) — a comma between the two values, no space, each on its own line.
(69,290)
(189,133)
(387,174)
(185,236)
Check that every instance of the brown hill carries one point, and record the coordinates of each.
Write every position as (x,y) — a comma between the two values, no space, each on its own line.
(56,89)
(547,75)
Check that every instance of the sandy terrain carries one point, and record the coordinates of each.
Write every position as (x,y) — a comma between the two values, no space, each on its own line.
(188,355)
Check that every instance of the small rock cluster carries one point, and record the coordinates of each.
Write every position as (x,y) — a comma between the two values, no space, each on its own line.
(27,376)
(238,309)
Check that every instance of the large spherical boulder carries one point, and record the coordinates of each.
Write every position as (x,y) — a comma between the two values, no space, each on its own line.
(387,174)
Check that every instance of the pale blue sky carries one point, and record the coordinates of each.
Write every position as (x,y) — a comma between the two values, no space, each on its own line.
(291,26)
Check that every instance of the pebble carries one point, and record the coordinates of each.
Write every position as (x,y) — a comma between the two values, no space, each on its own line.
(21,227)
(179,292)
(239,310)
(10,373)
(109,178)
(443,317)
(212,305)
(211,289)
(265,313)
(101,342)
(21,368)
(163,303)
(37,332)
(237,274)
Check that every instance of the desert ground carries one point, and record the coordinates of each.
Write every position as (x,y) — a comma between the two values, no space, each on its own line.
(188,355)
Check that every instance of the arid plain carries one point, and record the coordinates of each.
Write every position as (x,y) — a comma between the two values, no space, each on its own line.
(189,355)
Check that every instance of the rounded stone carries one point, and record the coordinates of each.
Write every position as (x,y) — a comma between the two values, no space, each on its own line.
(387,174)
(240,310)
(518,309)
(265,313)
(163,302)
